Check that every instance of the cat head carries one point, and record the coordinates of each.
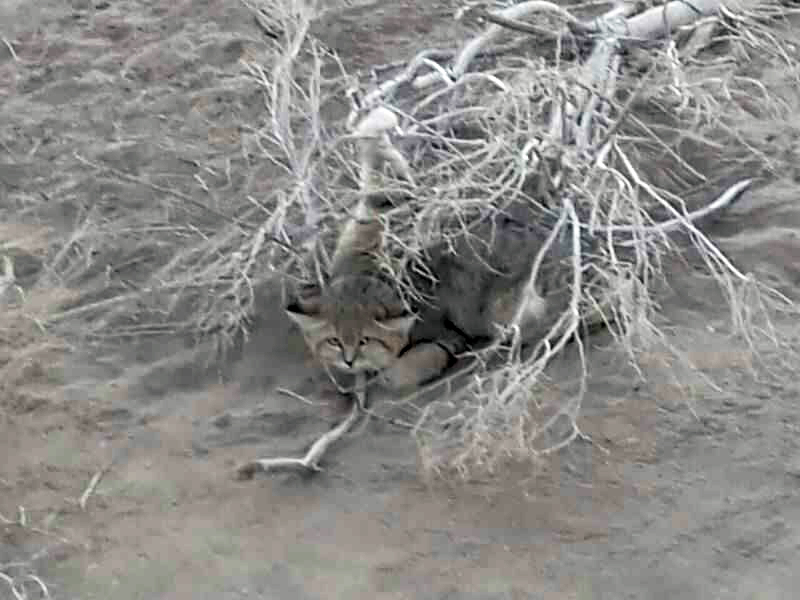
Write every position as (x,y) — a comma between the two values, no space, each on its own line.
(351,337)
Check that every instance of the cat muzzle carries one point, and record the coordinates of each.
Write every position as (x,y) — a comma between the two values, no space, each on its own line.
(348,358)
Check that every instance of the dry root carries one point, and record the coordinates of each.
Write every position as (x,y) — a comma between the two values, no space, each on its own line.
(310,462)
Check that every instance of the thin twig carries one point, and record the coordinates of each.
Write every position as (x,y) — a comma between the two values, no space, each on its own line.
(722,201)
(93,485)
(575,26)
(163,189)
(12,584)
(310,462)
(10,49)
(187,199)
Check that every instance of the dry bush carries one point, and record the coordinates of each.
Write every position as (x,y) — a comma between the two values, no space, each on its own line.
(30,363)
(641,180)
(193,265)
(30,357)
(30,354)
(507,130)
(23,585)
(494,136)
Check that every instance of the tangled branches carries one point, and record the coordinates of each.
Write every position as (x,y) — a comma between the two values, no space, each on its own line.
(598,125)
(569,140)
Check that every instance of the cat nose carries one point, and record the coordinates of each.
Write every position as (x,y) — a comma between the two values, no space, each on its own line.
(348,358)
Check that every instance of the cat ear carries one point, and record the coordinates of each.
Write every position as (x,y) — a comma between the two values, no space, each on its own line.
(384,200)
(305,308)
(400,325)
(306,322)
(307,299)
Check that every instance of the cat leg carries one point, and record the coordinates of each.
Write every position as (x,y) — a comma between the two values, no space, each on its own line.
(617,296)
(417,365)
(533,310)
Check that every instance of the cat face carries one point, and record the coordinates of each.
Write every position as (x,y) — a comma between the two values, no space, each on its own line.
(354,345)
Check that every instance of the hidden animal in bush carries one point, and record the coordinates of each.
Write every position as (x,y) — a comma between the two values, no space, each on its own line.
(472,287)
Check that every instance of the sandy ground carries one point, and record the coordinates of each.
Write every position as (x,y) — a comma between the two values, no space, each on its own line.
(685,494)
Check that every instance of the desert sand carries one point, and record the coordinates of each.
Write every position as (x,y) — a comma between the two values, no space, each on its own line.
(685,492)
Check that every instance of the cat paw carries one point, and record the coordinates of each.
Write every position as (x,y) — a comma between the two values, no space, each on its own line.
(403,377)
(418,365)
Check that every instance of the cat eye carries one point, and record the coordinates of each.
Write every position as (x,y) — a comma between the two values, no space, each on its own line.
(364,341)
(334,342)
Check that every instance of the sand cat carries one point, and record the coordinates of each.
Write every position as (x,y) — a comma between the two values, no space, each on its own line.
(359,323)
(481,283)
